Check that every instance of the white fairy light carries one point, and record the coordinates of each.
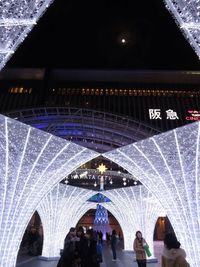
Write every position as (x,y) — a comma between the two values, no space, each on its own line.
(59,210)
(168,165)
(32,163)
(133,210)
(187,16)
(17,19)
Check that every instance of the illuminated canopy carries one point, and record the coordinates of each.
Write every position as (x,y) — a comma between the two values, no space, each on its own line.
(59,210)
(135,208)
(32,163)
(168,165)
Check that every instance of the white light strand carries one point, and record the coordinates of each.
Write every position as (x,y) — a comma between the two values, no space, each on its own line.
(59,210)
(168,164)
(135,208)
(32,163)
(187,16)
(17,19)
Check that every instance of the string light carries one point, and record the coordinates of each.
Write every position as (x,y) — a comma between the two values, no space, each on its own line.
(168,164)
(59,210)
(32,163)
(134,209)
(187,16)
(17,19)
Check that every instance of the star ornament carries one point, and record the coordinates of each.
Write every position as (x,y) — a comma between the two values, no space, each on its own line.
(102,168)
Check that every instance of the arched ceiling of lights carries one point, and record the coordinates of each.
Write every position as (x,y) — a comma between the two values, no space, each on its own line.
(17,18)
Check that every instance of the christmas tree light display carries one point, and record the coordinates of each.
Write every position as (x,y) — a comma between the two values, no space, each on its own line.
(168,165)
(32,163)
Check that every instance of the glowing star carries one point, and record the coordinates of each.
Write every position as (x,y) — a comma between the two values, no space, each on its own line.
(32,163)
(168,165)
(102,168)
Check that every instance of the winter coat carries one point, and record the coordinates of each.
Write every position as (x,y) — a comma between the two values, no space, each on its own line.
(138,248)
(174,258)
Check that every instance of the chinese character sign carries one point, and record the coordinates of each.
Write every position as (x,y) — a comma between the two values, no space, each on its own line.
(171,115)
(155,114)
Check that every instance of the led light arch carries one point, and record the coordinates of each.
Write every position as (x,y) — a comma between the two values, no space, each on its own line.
(135,208)
(168,164)
(59,210)
(32,163)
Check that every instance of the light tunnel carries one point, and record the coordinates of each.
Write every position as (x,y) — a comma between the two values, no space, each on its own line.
(32,163)
(168,165)
(134,208)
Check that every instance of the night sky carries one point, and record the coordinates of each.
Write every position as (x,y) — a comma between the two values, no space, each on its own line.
(88,34)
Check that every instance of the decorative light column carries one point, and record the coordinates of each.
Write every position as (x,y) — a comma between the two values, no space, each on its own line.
(32,163)
(168,165)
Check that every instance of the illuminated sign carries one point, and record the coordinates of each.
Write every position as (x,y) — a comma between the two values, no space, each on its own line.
(194,115)
(155,114)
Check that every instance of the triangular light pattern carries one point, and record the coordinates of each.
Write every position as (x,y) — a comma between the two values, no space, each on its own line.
(32,162)
(17,18)
(168,165)
(135,208)
(187,16)
(61,209)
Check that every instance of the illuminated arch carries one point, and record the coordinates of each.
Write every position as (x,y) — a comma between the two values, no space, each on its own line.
(32,163)
(18,18)
(60,210)
(133,207)
(136,209)
(168,165)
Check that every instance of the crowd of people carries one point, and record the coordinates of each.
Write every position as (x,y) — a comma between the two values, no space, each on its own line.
(81,249)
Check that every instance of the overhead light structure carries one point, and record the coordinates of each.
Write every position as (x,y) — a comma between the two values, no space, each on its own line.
(169,165)
(187,16)
(32,163)
(133,208)
(17,19)
(60,210)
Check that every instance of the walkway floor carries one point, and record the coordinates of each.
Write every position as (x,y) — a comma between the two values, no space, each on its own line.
(124,259)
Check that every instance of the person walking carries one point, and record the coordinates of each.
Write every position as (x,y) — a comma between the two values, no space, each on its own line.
(138,247)
(173,255)
(113,243)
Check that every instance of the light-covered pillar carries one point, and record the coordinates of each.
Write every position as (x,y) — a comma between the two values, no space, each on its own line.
(32,163)
(168,165)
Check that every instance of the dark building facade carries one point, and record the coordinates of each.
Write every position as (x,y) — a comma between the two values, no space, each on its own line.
(132,104)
